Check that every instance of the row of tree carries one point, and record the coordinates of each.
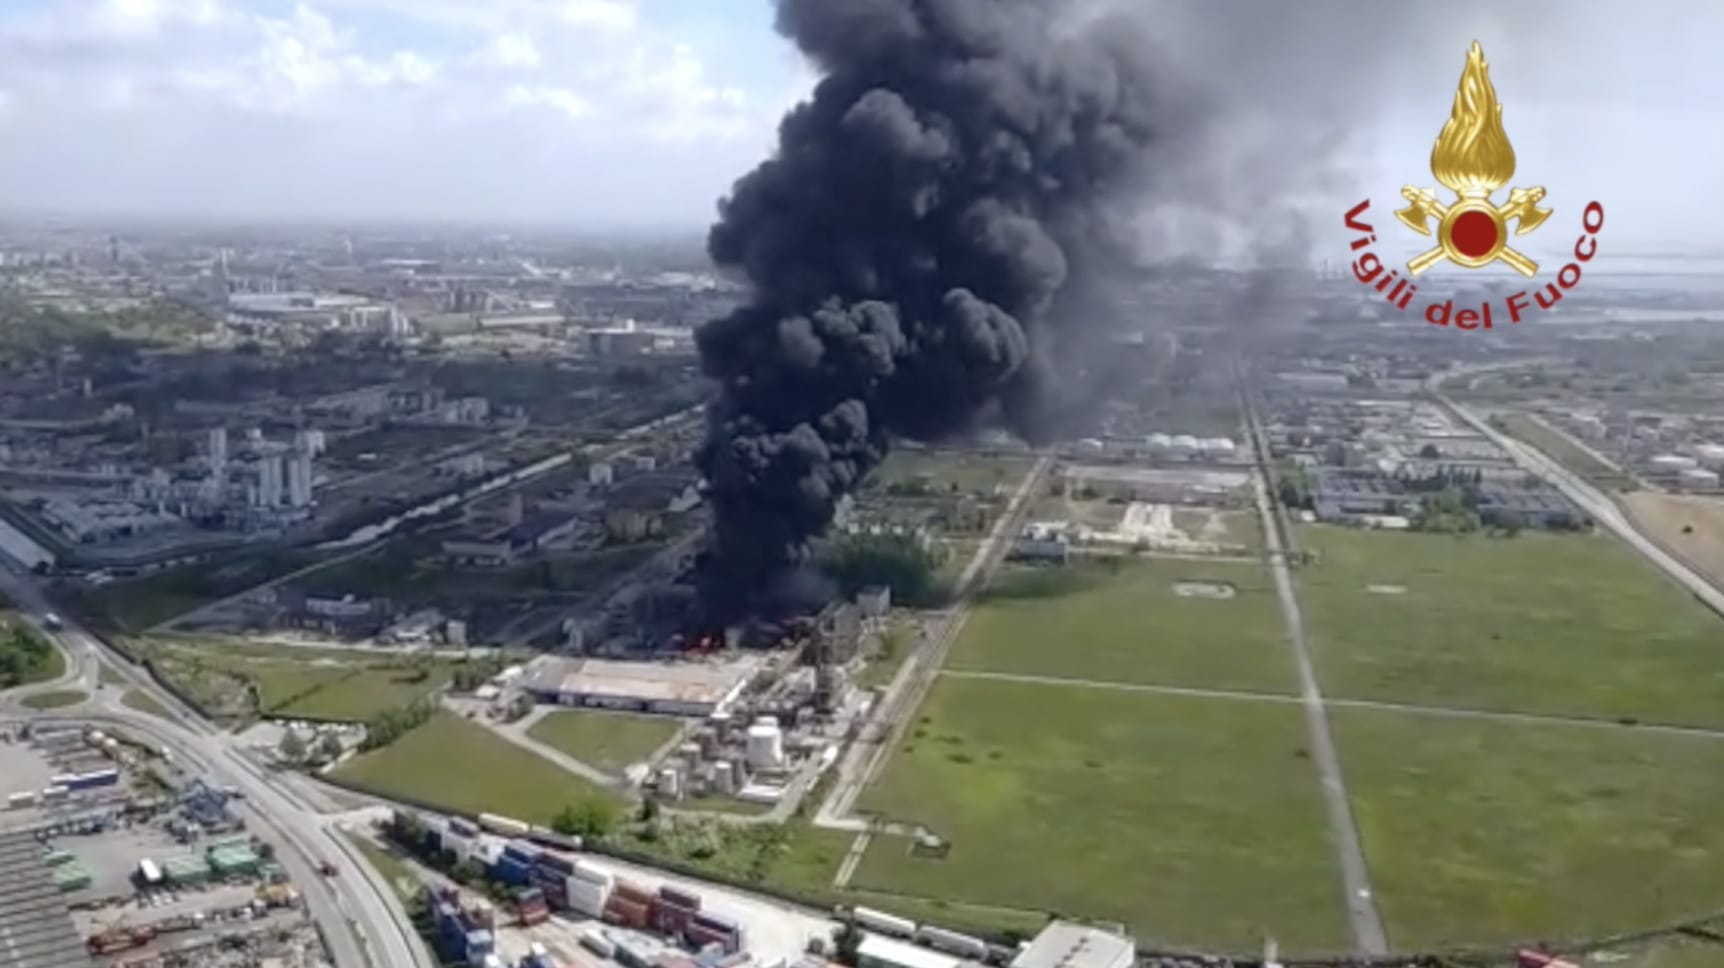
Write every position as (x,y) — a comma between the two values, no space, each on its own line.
(901,562)
(23,654)
(390,725)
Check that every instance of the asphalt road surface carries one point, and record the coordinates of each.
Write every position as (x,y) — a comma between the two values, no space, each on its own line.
(1368,935)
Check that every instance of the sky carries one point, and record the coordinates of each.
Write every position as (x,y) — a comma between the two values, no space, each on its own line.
(639,114)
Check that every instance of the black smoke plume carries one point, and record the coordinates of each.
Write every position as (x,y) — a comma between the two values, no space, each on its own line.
(919,249)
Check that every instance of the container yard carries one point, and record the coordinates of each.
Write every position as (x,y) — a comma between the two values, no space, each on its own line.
(170,875)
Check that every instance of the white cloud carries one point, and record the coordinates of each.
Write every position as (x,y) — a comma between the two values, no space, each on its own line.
(170,103)
(509,50)
(613,15)
(561,99)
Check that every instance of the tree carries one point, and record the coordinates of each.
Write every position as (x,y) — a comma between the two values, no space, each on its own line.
(329,746)
(1430,452)
(292,748)
(591,818)
(900,562)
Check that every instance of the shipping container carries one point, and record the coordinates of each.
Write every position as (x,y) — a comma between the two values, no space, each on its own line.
(631,956)
(629,890)
(716,921)
(880,922)
(558,862)
(53,793)
(462,827)
(525,850)
(598,944)
(589,871)
(551,838)
(669,917)
(1527,958)
(507,826)
(633,914)
(511,871)
(92,780)
(700,935)
(24,799)
(951,942)
(585,897)
(537,914)
(686,899)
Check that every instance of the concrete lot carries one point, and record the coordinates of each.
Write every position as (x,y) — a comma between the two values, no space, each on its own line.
(22,768)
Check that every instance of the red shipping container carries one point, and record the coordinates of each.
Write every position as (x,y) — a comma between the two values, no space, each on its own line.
(1538,959)
(633,914)
(532,916)
(631,892)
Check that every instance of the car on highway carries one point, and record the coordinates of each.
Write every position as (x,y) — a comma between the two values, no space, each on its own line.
(52,621)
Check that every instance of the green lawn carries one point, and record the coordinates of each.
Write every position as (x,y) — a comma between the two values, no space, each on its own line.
(1196,821)
(394,869)
(142,702)
(38,659)
(1123,621)
(460,766)
(943,471)
(1541,623)
(1478,832)
(897,644)
(55,699)
(609,741)
(365,693)
(1562,450)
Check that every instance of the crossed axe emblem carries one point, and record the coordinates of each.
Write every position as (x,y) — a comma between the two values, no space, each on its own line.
(1479,243)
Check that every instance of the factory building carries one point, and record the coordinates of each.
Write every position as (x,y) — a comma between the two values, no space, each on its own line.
(1066,944)
(672,689)
(1158,486)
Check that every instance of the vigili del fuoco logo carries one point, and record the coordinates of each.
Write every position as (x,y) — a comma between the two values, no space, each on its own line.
(1473,159)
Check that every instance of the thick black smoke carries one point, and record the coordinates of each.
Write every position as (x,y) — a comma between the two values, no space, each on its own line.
(919,249)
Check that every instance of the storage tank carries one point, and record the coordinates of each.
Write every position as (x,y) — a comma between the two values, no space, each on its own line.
(723,780)
(765,746)
(1673,463)
(1160,443)
(1711,456)
(1184,445)
(1699,479)
(670,783)
(1219,446)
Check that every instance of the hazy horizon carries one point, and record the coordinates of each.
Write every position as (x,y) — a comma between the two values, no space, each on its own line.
(633,117)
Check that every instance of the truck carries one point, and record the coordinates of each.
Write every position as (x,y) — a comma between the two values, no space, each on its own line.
(52,622)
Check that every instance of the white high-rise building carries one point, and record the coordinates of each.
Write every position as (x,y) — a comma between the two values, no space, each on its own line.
(299,480)
(269,474)
(218,450)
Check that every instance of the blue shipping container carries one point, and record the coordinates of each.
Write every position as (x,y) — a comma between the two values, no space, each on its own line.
(522,849)
(89,781)
(510,870)
(481,941)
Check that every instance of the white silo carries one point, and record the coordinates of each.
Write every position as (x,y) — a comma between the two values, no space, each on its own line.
(1184,445)
(1699,479)
(1160,443)
(1710,456)
(765,746)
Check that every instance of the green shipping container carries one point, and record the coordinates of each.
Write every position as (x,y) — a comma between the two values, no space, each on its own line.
(71,877)
(232,840)
(234,860)
(55,858)
(186,870)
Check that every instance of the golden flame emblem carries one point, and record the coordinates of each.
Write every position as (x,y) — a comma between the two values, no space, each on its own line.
(1473,158)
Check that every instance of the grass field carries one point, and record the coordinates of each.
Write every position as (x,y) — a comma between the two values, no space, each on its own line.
(1480,833)
(54,699)
(1562,450)
(1123,621)
(609,741)
(1573,625)
(949,471)
(392,866)
(493,775)
(142,702)
(1690,526)
(239,680)
(1196,821)
(43,665)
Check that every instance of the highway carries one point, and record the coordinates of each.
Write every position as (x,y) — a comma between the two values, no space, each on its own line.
(1600,506)
(363,922)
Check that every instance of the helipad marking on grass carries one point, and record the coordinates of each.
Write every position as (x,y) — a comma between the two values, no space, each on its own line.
(1203,589)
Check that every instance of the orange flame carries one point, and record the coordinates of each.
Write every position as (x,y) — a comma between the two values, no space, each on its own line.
(1472,156)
